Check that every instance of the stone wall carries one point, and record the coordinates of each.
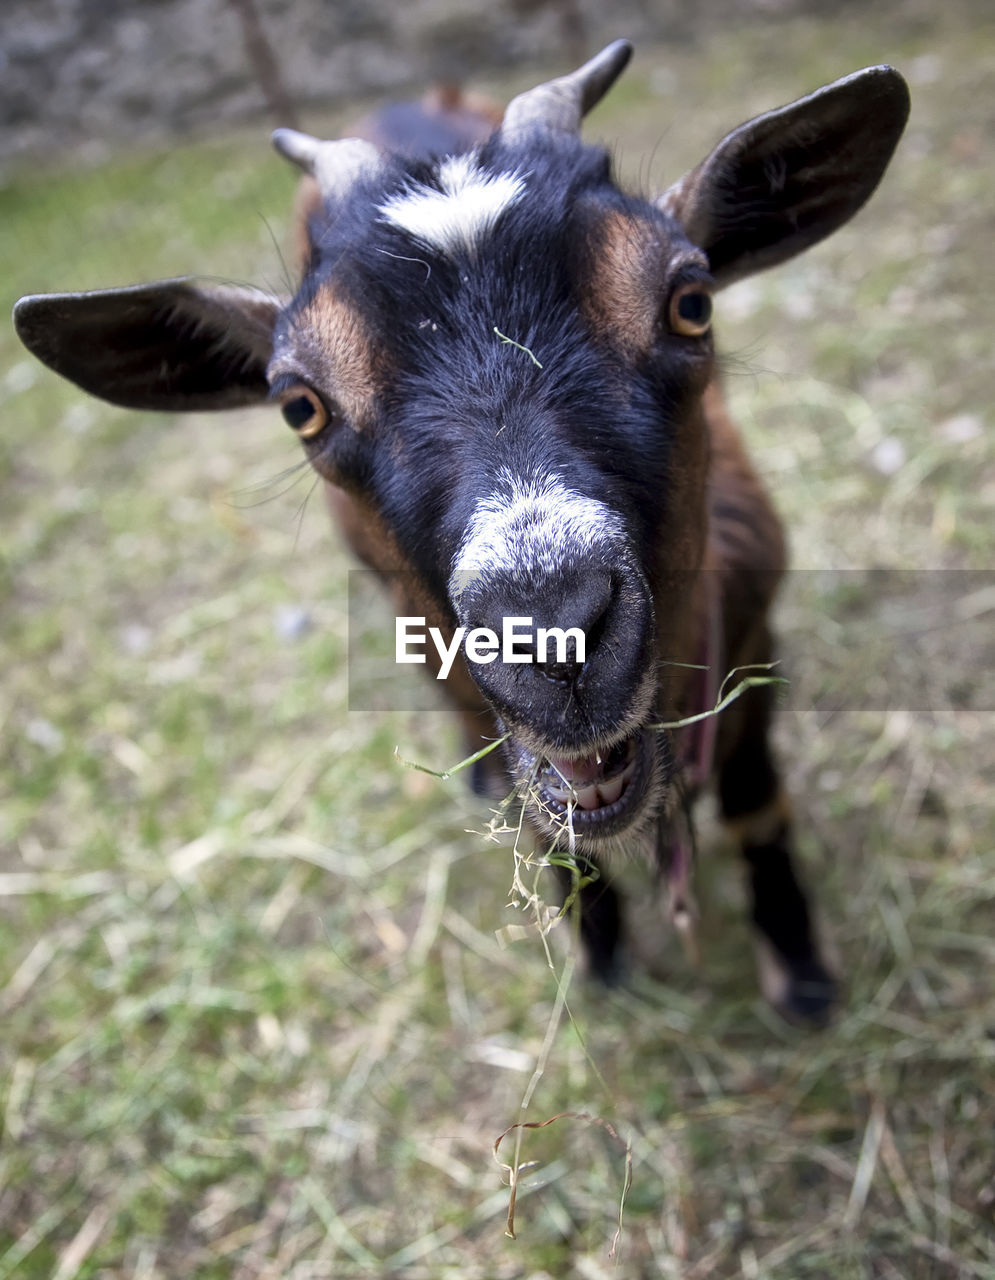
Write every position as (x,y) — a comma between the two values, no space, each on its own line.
(82,76)
(77,75)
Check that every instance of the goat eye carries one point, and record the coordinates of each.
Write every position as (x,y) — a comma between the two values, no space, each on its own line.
(304,412)
(690,310)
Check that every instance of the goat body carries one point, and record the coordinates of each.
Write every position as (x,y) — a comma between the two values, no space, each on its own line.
(502,365)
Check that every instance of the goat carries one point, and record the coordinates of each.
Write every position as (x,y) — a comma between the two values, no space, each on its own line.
(502,365)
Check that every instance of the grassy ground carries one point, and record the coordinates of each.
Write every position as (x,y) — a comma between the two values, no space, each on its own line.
(256,1021)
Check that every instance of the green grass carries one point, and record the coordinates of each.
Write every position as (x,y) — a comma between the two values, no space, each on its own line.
(255,1018)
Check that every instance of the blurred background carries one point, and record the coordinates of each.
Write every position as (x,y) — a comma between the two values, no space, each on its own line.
(264,1007)
(86,76)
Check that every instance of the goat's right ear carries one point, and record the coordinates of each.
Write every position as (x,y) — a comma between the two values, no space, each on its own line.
(175,345)
(787,179)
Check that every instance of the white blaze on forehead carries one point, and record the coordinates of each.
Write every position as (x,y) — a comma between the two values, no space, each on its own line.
(460,214)
(529,526)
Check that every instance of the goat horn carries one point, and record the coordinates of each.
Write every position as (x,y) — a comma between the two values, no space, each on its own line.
(335,166)
(561,104)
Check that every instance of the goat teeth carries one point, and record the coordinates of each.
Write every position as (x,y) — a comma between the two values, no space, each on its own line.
(587,798)
(580,784)
(611,789)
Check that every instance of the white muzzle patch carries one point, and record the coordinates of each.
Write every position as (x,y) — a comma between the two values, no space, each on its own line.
(529,526)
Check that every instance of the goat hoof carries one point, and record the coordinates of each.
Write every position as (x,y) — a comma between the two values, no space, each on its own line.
(607,971)
(811,996)
(803,992)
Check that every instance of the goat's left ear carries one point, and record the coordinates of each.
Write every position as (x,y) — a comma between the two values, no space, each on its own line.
(787,179)
(178,345)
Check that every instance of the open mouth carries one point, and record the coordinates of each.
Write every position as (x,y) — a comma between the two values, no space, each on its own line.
(595,793)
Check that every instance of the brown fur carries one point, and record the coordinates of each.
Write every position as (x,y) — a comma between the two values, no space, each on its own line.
(341,354)
(372,542)
(628,266)
(619,306)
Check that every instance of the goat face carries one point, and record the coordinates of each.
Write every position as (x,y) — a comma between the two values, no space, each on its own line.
(501,359)
(529,478)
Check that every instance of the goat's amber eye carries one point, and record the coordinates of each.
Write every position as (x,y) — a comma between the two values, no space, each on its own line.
(690,310)
(304,412)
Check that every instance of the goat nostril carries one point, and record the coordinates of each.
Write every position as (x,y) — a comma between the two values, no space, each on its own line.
(595,630)
(586,614)
(560,672)
(564,665)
